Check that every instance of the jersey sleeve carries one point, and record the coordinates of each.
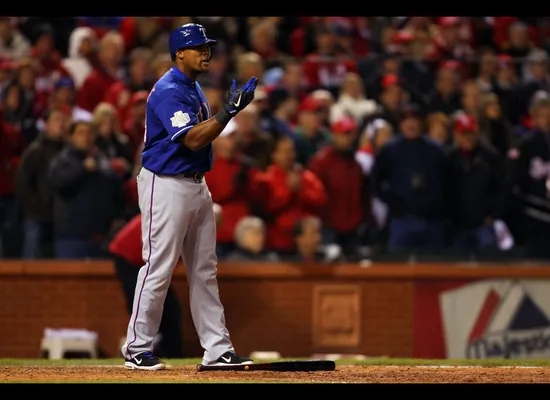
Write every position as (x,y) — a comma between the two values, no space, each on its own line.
(176,115)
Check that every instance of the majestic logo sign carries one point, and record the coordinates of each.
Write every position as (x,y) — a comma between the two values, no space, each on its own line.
(497,319)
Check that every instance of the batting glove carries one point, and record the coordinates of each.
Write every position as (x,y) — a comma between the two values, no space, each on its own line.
(241,97)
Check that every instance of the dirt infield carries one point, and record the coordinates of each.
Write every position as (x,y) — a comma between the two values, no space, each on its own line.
(342,374)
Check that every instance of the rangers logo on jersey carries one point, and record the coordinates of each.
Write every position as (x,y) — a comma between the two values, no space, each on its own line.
(180,119)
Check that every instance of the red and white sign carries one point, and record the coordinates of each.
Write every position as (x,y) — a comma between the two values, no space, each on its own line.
(497,319)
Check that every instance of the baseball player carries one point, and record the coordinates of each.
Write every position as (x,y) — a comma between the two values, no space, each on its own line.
(175,203)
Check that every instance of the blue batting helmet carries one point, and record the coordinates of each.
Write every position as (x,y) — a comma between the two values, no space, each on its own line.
(187,35)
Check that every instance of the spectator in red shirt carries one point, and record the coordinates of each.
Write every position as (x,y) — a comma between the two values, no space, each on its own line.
(47,58)
(230,184)
(287,192)
(105,74)
(449,41)
(11,147)
(17,112)
(322,68)
(134,124)
(139,77)
(311,135)
(346,211)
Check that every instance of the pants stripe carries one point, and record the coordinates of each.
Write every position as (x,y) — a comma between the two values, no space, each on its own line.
(148,264)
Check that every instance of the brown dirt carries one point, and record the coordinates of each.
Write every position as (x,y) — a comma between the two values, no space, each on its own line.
(342,374)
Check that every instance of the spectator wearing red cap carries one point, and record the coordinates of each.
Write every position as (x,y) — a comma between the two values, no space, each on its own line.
(346,212)
(476,187)
(106,73)
(287,192)
(138,78)
(451,39)
(396,59)
(408,175)
(445,96)
(311,135)
(231,185)
(391,102)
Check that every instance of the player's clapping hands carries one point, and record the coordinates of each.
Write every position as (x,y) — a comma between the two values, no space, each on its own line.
(241,97)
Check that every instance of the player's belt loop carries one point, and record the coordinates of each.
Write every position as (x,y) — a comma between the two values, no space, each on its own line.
(197,177)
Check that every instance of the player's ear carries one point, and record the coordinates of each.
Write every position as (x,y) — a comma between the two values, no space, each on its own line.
(179,54)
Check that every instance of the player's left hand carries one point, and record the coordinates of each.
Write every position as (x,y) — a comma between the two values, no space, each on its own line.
(241,97)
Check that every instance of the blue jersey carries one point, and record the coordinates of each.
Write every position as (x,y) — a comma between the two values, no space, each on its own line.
(175,105)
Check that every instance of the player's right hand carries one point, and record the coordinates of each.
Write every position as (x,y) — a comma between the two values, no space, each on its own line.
(241,97)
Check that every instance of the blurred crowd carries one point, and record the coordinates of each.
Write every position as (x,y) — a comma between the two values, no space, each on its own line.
(366,135)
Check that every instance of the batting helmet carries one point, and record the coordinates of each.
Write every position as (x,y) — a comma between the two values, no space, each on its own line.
(187,35)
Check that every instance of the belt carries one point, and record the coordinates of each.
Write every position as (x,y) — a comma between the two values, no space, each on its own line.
(197,176)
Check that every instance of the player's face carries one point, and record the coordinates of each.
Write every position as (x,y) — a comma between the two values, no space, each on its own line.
(198,57)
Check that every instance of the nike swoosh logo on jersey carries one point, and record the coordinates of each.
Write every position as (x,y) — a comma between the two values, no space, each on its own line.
(226,359)
(138,361)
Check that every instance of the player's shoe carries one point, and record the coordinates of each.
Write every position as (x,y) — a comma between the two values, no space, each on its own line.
(145,361)
(230,358)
